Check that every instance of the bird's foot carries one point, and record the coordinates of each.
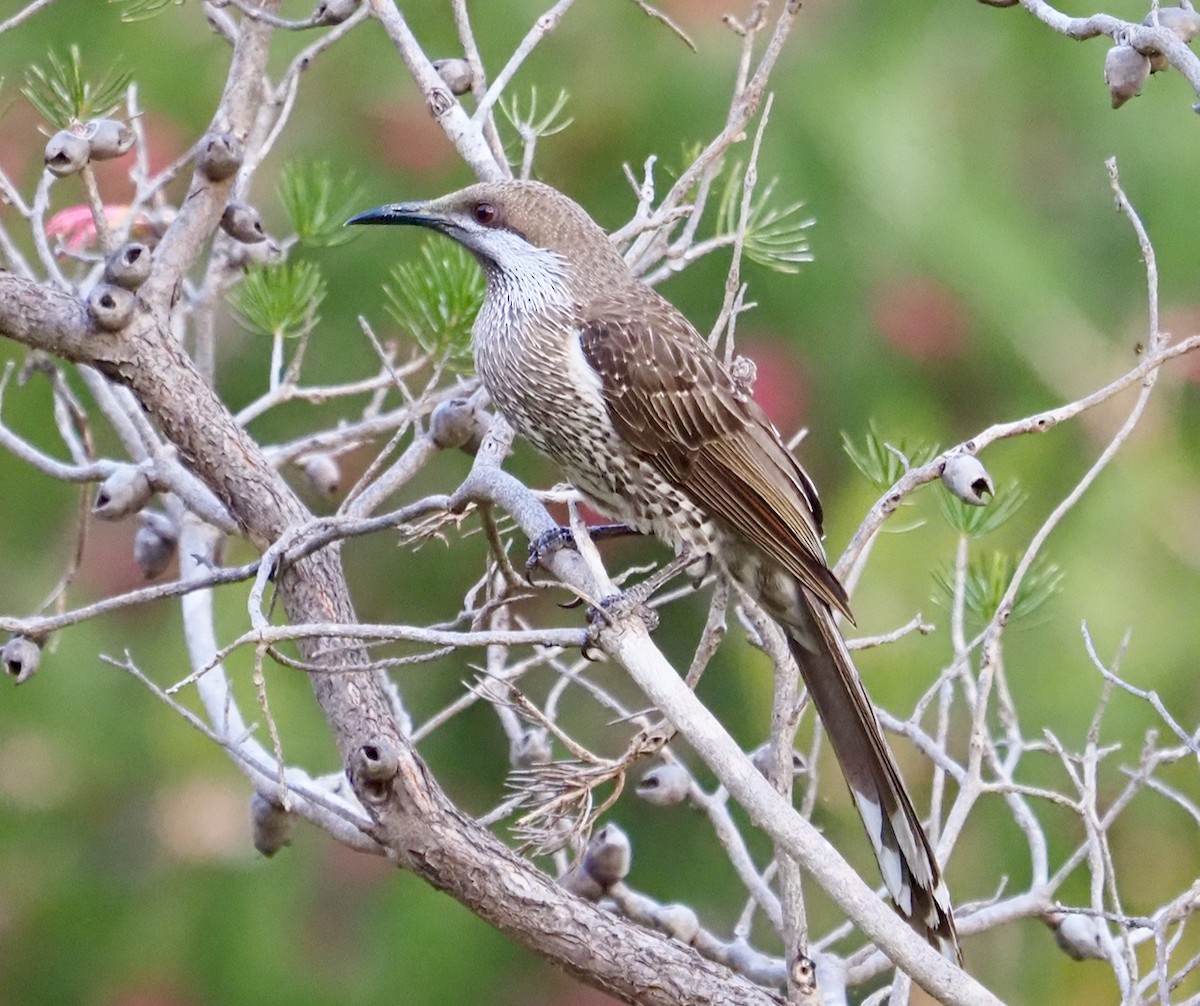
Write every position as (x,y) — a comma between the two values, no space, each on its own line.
(612,612)
(698,569)
(632,600)
(551,541)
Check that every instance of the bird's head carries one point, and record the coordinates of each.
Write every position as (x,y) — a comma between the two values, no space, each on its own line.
(514,227)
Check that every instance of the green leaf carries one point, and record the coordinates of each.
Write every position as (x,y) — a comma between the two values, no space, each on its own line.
(976,521)
(529,125)
(880,461)
(437,297)
(317,204)
(143,10)
(279,300)
(775,235)
(988,578)
(62,95)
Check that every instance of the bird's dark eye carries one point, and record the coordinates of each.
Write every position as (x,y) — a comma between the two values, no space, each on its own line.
(486,214)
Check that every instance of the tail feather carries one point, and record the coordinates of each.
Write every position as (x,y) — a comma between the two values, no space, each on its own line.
(906,861)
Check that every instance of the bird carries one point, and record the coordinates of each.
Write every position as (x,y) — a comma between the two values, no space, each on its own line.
(602,374)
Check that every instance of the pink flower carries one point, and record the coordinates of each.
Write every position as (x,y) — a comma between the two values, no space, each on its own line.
(77,228)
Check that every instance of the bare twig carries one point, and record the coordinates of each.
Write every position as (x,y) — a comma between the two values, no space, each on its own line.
(23,14)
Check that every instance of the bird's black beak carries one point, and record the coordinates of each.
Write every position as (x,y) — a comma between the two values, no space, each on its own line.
(417,214)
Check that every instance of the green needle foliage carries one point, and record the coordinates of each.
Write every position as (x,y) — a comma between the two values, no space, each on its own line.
(986,581)
(529,123)
(317,204)
(775,235)
(436,298)
(880,460)
(143,10)
(976,521)
(279,300)
(62,95)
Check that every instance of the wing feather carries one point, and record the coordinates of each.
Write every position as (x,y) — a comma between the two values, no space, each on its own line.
(669,397)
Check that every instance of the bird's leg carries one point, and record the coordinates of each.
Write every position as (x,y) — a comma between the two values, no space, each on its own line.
(641,592)
(699,569)
(560,537)
(634,599)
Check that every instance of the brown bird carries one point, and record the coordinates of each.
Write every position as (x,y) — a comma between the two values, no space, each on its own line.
(612,382)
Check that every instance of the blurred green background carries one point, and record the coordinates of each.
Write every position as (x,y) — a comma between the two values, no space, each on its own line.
(969,268)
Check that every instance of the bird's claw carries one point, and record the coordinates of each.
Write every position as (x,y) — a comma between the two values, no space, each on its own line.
(698,571)
(549,542)
(634,599)
(546,544)
(610,611)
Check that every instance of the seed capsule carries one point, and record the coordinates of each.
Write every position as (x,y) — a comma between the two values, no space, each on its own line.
(1184,23)
(452,423)
(763,758)
(1125,71)
(111,307)
(243,256)
(270,825)
(154,543)
(322,473)
(66,152)
(242,223)
(577,881)
(108,138)
(607,856)
(965,476)
(21,657)
(128,266)
(1081,937)
(335,11)
(221,154)
(455,73)
(531,748)
(125,491)
(665,785)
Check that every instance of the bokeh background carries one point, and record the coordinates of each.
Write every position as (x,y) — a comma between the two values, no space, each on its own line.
(968,268)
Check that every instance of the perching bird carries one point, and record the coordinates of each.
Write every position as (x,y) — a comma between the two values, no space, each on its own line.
(612,382)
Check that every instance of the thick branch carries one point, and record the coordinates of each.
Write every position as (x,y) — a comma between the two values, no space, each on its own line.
(597,946)
(422,828)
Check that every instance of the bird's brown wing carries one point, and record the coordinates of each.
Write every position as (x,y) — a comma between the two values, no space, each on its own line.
(669,397)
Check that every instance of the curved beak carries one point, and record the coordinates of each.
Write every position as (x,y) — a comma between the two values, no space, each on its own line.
(417,213)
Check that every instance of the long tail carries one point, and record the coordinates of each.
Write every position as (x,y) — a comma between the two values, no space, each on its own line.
(906,860)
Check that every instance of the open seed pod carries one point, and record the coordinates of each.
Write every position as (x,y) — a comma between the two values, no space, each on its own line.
(128,266)
(111,307)
(242,223)
(66,152)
